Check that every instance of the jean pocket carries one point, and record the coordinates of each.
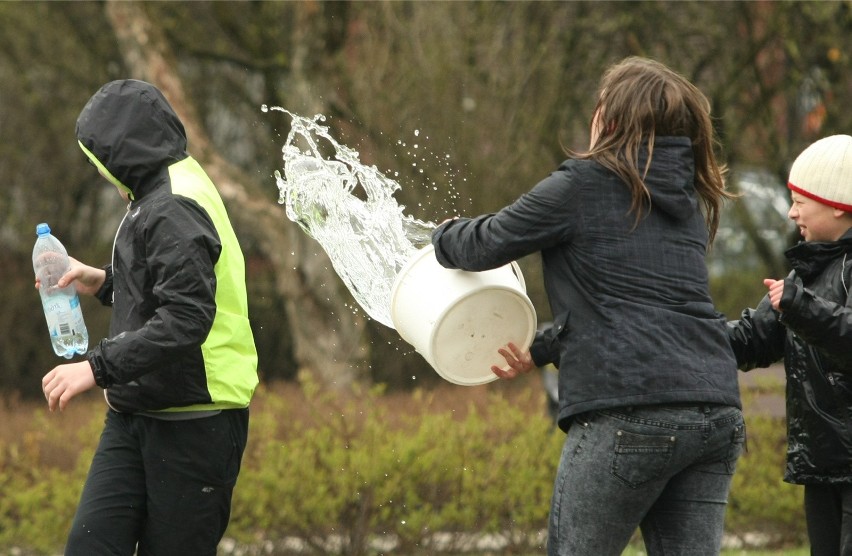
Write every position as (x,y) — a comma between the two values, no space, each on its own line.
(738,443)
(640,458)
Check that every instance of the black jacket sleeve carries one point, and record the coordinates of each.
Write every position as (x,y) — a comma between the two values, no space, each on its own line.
(538,219)
(824,324)
(170,304)
(758,337)
(543,349)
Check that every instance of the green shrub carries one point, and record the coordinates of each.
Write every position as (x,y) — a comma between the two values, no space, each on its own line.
(426,472)
(760,500)
(357,471)
(38,497)
(735,291)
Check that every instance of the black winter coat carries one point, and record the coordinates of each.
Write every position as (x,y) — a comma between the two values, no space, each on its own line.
(813,333)
(179,337)
(633,322)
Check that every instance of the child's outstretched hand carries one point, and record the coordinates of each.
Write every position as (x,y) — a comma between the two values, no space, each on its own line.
(776,289)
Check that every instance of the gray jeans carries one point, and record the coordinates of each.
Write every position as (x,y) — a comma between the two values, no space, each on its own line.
(666,469)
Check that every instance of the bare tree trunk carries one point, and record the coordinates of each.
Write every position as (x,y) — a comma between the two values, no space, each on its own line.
(327,337)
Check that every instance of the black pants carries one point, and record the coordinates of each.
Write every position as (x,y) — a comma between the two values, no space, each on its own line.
(828,511)
(159,488)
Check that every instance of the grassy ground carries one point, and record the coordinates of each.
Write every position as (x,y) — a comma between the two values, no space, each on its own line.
(634,551)
(791,552)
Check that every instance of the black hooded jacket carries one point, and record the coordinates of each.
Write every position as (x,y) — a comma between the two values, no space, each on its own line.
(179,338)
(813,334)
(633,322)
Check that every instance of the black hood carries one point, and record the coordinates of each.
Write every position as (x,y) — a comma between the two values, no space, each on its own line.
(129,129)
(671,178)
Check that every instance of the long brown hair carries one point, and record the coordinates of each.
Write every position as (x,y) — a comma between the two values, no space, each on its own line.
(640,99)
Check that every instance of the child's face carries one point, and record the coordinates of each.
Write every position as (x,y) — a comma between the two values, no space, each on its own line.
(816,221)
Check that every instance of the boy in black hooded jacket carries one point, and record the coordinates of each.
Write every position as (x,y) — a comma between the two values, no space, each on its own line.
(178,367)
(806,318)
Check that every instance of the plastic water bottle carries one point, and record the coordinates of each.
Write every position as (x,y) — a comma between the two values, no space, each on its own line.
(61,306)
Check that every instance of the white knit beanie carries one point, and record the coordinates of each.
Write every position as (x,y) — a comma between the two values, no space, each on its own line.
(823,172)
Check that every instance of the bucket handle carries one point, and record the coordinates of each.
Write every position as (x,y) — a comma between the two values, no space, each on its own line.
(519,275)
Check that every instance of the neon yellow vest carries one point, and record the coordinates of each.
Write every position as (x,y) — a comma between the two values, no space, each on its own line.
(230,356)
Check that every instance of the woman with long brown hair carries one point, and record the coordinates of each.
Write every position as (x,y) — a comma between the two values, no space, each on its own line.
(648,392)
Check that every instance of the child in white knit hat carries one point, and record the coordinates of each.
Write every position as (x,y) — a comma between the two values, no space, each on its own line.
(806,318)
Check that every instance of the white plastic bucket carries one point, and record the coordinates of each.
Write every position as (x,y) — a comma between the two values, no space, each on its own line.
(457,320)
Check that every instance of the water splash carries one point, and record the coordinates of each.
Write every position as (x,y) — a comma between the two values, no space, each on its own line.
(349,208)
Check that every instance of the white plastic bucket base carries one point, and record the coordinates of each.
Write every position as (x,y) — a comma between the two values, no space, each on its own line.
(458,320)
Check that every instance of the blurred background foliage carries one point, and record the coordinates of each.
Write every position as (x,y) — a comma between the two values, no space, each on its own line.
(466,104)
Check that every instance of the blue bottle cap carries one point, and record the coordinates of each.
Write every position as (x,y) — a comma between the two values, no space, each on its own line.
(42,229)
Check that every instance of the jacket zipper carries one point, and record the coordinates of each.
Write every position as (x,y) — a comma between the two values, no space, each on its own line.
(112,264)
